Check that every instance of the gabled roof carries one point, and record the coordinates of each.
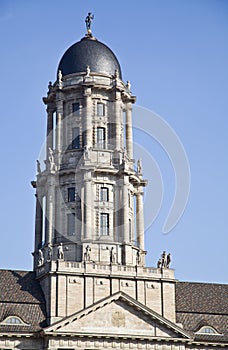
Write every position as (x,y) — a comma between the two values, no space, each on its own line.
(118,315)
(21,296)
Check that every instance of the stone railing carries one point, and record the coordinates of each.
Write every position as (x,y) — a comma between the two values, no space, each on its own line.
(104,269)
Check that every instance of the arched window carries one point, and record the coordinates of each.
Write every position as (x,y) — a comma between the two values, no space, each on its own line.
(207,330)
(14,321)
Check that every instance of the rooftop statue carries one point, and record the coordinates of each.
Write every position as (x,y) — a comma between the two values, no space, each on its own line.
(88,22)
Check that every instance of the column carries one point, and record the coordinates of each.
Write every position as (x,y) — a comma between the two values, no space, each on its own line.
(87,209)
(38,224)
(50,131)
(88,129)
(140,218)
(50,210)
(59,118)
(129,139)
(125,210)
(117,120)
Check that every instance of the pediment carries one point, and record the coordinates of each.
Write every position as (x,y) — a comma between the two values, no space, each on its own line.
(117,316)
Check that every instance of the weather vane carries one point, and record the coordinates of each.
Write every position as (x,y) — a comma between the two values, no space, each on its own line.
(88,22)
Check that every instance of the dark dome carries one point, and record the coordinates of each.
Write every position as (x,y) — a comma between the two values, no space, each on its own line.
(89,52)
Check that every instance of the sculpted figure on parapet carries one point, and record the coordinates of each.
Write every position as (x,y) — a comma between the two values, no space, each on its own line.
(128,85)
(87,253)
(139,167)
(38,167)
(164,261)
(51,159)
(86,152)
(87,71)
(112,255)
(138,257)
(60,254)
(49,252)
(40,258)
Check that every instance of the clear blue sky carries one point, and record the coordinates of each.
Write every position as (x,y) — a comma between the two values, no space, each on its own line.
(175,54)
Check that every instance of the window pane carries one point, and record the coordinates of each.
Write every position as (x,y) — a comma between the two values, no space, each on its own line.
(75,108)
(104,224)
(13,320)
(104,194)
(76,138)
(101,137)
(71,194)
(71,224)
(100,109)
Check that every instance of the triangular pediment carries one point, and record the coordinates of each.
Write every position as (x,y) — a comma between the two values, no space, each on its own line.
(117,316)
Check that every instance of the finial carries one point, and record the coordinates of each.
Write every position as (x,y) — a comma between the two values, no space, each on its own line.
(88,22)
(60,83)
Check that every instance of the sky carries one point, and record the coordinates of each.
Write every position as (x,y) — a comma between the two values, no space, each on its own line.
(175,54)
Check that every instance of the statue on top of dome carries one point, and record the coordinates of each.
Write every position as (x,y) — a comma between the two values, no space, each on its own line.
(88,22)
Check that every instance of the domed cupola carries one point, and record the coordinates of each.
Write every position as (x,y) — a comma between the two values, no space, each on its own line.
(89,52)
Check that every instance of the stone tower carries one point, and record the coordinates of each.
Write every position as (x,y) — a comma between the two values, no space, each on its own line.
(89,235)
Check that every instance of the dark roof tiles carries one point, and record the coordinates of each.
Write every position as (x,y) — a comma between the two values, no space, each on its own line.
(21,296)
(19,286)
(199,304)
(202,297)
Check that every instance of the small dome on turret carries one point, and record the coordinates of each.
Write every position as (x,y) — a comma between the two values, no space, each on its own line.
(89,52)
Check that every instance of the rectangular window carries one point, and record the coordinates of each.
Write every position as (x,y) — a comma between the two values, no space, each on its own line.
(71,194)
(104,194)
(75,108)
(100,109)
(104,227)
(101,137)
(76,138)
(71,224)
